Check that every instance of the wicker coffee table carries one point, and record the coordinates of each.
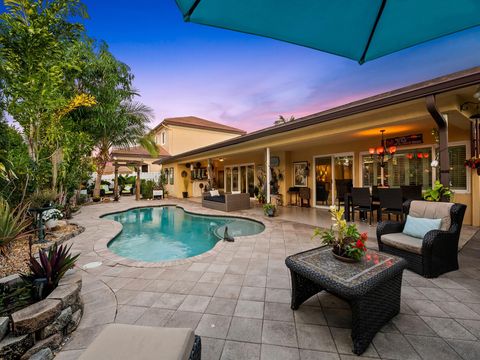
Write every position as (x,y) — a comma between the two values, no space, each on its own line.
(372,287)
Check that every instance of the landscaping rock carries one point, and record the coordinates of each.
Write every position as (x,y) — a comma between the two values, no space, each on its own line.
(76,317)
(67,294)
(11,280)
(44,354)
(51,343)
(3,327)
(58,325)
(35,316)
(14,347)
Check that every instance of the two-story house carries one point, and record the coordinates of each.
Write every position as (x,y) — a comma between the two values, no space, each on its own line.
(178,135)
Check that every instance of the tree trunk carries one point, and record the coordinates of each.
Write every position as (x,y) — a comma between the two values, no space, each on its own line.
(98,180)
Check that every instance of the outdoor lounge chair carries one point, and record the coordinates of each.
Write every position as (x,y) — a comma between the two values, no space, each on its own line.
(120,341)
(127,189)
(437,252)
(105,190)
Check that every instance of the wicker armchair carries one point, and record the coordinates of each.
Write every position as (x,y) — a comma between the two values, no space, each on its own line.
(437,253)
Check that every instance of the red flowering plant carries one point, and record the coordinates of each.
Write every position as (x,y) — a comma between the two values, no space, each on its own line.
(473,163)
(345,238)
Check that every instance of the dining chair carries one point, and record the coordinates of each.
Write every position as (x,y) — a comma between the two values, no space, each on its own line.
(391,202)
(362,202)
(411,192)
(343,187)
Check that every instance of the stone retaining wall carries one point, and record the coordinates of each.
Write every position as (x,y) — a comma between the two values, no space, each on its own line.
(39,329)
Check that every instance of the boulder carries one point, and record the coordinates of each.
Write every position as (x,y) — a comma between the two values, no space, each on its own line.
(35,316)
(76,317)
(58,325)
(13,347)
(11,280)
(3,327)
(51,343)
(44,354)
(67,294)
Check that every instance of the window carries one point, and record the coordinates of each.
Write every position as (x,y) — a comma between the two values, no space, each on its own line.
(144,168)
(457,154)
(408,167)
(163,138)
(170,174)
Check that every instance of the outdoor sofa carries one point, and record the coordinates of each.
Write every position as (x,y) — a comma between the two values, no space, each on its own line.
(437,252)
(226,202)
(121,341)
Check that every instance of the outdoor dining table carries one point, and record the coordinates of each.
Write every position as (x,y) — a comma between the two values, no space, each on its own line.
(371,287)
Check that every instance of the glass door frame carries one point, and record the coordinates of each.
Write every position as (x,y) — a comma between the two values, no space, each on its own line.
(332,166)
(239,175)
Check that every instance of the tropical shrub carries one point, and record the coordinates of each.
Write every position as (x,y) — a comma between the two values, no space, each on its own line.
(52,266)
(13,223)
(43,198)
(146,189)
(14,297)
(438,193)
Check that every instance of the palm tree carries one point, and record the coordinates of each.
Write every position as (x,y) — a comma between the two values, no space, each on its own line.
(282,120)
(126,129)
(116,121)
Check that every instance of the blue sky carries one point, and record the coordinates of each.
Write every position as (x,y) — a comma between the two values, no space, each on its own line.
(247,81)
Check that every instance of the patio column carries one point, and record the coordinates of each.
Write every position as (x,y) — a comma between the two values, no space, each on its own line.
(209,173)
(442,123)
(137,183)
(115,182)
(268,173)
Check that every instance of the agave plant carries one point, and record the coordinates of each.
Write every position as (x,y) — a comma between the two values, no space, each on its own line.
(13,223)
(52,267)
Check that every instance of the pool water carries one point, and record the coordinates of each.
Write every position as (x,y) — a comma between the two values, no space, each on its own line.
(169,233)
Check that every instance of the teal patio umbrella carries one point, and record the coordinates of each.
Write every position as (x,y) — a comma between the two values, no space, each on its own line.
(357,29)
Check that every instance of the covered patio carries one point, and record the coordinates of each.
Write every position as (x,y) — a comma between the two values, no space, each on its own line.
(423,123)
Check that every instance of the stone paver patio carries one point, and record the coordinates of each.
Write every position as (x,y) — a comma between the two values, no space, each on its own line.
(238,299)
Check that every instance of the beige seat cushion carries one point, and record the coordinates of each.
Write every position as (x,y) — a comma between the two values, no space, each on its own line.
(403,242)
(432,210)
(119,341)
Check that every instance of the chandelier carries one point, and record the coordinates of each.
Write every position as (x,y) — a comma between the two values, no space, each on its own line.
(382,154)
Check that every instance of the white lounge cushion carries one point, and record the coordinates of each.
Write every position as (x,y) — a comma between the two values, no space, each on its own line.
(214,193)
(432,210)
(403,242)
(120,341)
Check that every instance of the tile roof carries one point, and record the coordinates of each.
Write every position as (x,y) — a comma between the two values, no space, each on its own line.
(199,123)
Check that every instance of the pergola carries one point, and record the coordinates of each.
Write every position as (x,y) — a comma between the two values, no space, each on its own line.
(137,165)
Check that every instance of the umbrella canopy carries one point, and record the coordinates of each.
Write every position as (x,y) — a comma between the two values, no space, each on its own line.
(357,29)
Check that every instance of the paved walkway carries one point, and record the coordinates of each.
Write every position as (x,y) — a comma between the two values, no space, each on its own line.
(238,299)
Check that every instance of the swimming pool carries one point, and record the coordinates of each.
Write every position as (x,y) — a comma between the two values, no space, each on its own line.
(168,233)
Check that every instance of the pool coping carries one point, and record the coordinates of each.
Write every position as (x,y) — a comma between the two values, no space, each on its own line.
(102,250)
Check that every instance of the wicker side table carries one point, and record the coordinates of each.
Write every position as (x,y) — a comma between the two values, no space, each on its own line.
(372,287)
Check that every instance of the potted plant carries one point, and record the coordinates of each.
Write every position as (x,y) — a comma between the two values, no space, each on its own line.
(438,193)
(473,163)
(51,217)
(269,210)
(185,183)
(347,243)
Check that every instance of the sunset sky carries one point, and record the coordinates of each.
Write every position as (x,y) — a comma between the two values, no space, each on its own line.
(247,81)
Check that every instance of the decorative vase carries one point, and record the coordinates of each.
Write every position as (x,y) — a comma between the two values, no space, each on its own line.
(50,224)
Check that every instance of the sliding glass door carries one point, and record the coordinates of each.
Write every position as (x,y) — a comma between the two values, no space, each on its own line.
(240,178)
(333,173)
